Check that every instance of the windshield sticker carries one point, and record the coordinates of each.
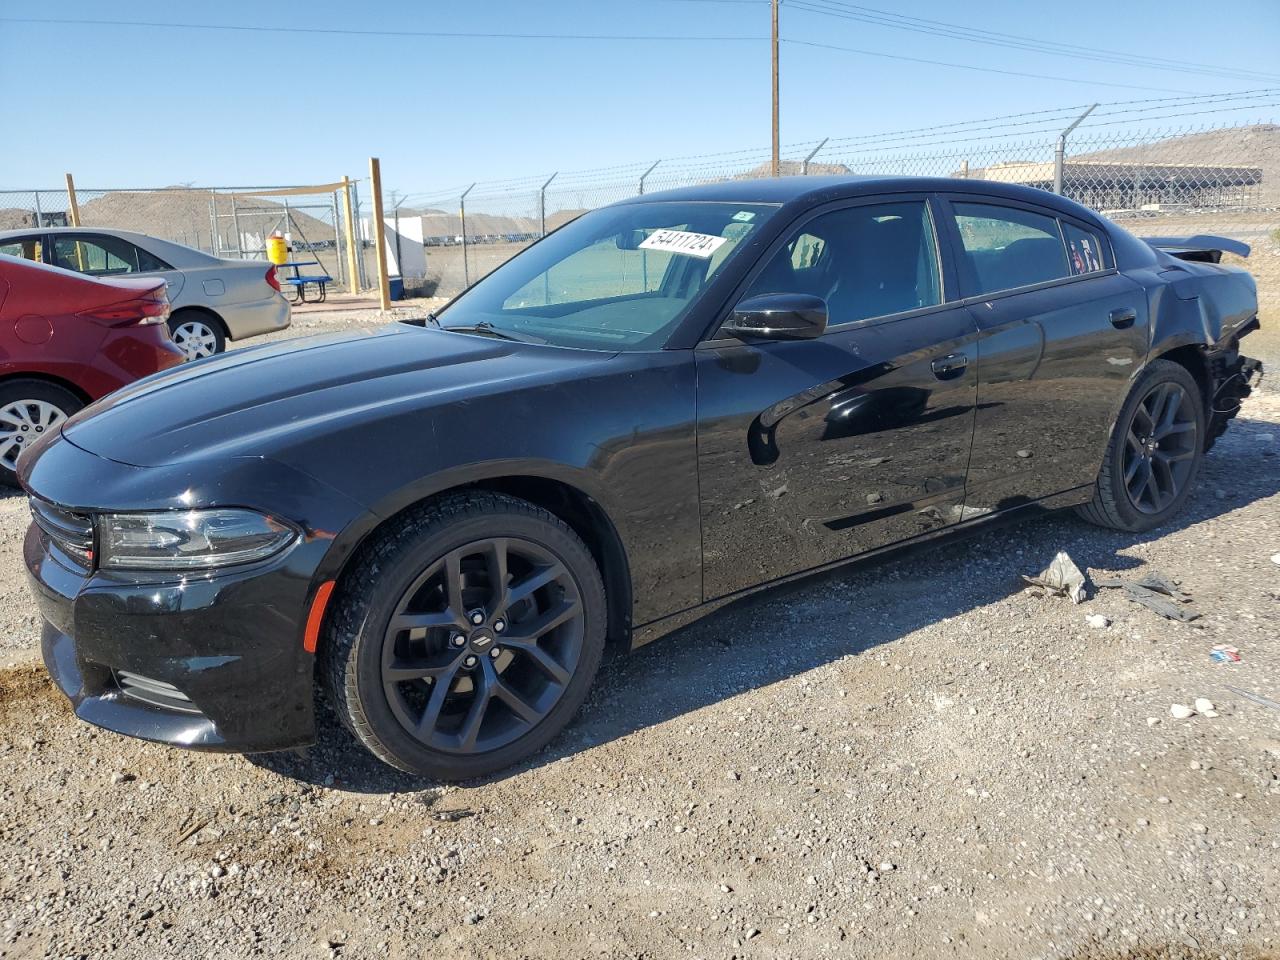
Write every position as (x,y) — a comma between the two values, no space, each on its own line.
(678,241)
(742,216)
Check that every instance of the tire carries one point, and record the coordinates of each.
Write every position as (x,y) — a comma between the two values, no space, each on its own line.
(432,692)
(1168,456)
(199,334)
(29,408)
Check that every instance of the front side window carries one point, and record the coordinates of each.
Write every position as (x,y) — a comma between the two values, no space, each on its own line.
(617,278)
(102,256)
(1006,247)
(865,261)
(26,247)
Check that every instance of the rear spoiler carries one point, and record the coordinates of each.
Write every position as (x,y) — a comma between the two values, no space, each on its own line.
(1202,247)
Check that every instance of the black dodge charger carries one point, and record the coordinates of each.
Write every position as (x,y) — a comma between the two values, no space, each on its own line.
(665,405)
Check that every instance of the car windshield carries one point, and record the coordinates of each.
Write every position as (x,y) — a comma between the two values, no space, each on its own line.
(618,278)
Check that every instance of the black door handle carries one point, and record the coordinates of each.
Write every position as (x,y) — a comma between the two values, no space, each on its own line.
(949,367)
(1123,317)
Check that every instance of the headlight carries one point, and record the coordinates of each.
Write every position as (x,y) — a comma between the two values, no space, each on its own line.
(188,540)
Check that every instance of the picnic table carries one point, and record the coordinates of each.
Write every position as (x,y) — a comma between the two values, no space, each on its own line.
(300,282)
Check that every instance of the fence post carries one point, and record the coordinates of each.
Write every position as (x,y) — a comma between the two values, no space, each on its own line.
(804,164)
(645,176)
(1060,151)
(355,205)
(964,169)
(353,271)
(72,206)
(39,214)
(379,234)
(542,204)
(337,232)
(462,220)
(214,242)
(235,225)
(395,212)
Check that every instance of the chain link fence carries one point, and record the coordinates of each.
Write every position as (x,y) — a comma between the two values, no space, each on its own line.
(229,222)
(1154,180)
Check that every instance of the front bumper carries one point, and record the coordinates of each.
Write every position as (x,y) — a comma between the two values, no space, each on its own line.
(227,645)
(256,317)
(211,660)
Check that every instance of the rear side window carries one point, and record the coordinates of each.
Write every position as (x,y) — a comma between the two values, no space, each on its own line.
(26,247)
(101,255)
(1007,248)
(1084,249)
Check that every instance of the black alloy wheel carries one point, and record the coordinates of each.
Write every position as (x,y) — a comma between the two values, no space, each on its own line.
(464,636)
(1162,443)
(482,645)
(1152,459)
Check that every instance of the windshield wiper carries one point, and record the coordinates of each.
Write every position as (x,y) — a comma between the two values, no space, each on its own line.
(486,329)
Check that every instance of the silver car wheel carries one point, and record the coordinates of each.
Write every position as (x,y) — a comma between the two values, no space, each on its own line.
(22,423)
(196,339)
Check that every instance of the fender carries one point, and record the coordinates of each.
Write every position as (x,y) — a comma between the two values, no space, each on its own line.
(634,463)
(348,540)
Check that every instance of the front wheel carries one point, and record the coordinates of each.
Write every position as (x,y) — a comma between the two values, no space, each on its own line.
(1153,458)
(466,638)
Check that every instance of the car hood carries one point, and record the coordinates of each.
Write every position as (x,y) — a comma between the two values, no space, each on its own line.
(263,400)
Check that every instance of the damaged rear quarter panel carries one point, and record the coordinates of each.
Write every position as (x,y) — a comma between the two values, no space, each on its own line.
(1199,303)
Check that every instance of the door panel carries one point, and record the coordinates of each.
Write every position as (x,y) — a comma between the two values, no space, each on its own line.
(1053,372)
(810,452)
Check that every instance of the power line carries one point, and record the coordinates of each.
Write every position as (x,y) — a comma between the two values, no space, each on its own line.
(937,135)
(969,66)
(1091,49)
(343,31)
(871,15)
(1064,113)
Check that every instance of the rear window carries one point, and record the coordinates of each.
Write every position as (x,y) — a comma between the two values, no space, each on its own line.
(1006,247)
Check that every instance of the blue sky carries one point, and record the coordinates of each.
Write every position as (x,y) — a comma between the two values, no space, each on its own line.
(145,106)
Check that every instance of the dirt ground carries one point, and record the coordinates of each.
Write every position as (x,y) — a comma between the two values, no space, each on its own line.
(920,757)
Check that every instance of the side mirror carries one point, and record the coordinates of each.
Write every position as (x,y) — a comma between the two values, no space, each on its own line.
(778,316)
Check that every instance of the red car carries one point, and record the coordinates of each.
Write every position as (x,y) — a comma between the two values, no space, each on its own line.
(68,339)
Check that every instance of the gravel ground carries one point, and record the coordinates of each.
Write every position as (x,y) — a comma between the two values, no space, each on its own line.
(919,757)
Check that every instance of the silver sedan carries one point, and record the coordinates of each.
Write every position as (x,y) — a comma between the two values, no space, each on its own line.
(213,300)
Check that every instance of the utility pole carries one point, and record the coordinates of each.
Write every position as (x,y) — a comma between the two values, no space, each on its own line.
(775,166)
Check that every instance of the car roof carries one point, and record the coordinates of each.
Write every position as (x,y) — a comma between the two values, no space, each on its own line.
(110,231)
(178,255)
(806,191)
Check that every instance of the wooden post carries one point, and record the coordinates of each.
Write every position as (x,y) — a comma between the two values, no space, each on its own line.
(379,234)
(73,207)
(353,266)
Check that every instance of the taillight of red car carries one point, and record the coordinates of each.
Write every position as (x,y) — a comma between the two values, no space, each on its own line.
(272,278)
(150,307)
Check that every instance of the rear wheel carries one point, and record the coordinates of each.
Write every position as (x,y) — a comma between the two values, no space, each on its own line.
(28,410)
(1153,458)
(197,334)
(465,639)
